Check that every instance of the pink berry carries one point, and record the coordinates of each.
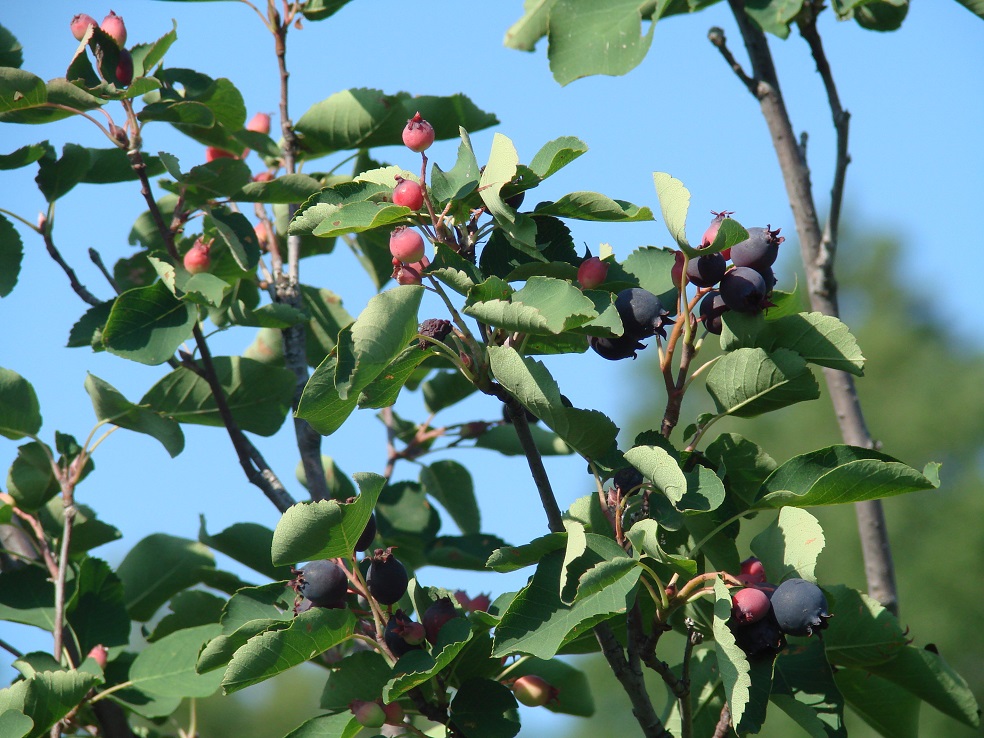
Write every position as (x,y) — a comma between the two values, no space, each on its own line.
(534,691)
(259,123)
(419,134)
(113,26)
(99,654)
(482,601)
(592,272)
(263,177)
(749,605)
(676,272)
(124,69)
(212,153)
(408,194)
(394,713)
(368,714)
(406,245)
(80,24)
(752,571)
(197,259)
(712,230)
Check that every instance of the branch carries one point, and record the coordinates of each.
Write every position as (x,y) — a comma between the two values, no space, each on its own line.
(77,286)
(632,682)
(818,259)
(724,722)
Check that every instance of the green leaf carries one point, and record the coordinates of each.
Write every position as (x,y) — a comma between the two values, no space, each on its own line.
(25,154)
(820,339)
(519,229)
(839,474)
(504,440)
(27,596)
(512,558)
(147,324)
(15,724)
(483,708)
(378,335)
(320,405)
(774,16)
(593,206)
(383,391)
(189,609)
(866,636)
(95,610)
(406,519)
(745,464)
(651,267)
(157,568)
(584,41)
(286,188)
(20,412)
(31,480)
(259,395)
(325,529)
(19,90)
(247,543)
(11,255)
(790,545)
(557,154)
(107,166)
(543,306)
(644,536)
(974,6)
(660,468)
(166,668)
(56,177)
(886,707)
(588,432)
(804,689)
(343,725)
(237,233)
(250,612)
(674,201)
(112,407)
(310,633)
(470,551)
(461,180)
(538,623)
(524,33)
(450,484)
(446,388)
(418,667)
(359,676)
(751,381)
(147,56)
(11,51)
(47,697)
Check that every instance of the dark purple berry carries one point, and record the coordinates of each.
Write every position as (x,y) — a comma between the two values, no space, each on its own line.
(435,328)
(436,616)
(324,583)
(749,605)
(402,634)
(706,271)
(759,250)
(613,349)
(368,534)
(800,607)
(642,313)
(712,307)
(627,480)
(387,577)
(744,290)
(759,640)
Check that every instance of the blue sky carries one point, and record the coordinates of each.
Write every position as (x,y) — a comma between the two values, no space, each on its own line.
(917,101)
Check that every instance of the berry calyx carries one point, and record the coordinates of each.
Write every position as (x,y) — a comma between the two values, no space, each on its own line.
(368,534)
(642,313)
(213,152)
(418,134)
(592,272)
(406,245)
(259,123)
(387,577)
(80,24)
(800,607)
(614,349)
(759,251)
(197,259)
(706,271)
(437,616)
(534,691)
(744,290)
(749,605)
(323,582)
(408,194)
(124,69)
(712,307)
(115,28)
(368,714)
(752,571)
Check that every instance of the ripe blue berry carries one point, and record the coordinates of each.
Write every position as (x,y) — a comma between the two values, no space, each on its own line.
(614,349)
(759,250)
(706,271)
(641,312)
(368,534)
(712,307)
(324,583)
(744,290)
(800,607)
(387,578)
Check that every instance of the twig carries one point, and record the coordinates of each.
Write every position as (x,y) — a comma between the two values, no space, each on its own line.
(686,703)
(10,649)
(724,722)
(818,260)
(77,286)
(97,260)
(632,682)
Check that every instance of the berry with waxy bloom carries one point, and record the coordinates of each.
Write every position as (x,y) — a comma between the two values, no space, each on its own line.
(642,313)
(408,194)
(759,251)
(706,271)
(406,245)
(712,307)
(614,349)
(80,24)
(437,616)
(368,534)
(323,582)
(418,134)
(743,289)
(592,272)
(394,713)
(387,577)
(800,607)
(115,28)
(259,123)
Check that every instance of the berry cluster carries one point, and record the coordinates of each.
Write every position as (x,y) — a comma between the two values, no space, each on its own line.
(746,286)
(762,614)
(113,27)
(643,316)
(406,245)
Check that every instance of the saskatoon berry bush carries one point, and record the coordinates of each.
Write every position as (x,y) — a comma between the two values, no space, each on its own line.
(486,280)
